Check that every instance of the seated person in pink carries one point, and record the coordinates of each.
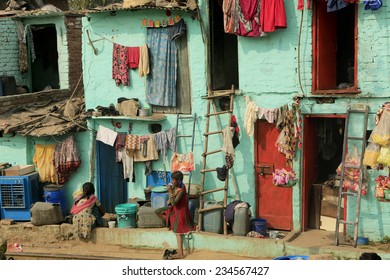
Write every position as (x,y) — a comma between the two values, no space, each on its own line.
(87,211)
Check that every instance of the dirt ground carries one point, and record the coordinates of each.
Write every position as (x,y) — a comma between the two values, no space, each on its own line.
(62,240)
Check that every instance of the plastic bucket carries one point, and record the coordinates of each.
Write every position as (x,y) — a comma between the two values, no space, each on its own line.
(259,225)
(126,215)
(56,194)
(159,197)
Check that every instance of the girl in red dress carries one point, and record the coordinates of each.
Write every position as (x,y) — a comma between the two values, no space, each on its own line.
(177,214)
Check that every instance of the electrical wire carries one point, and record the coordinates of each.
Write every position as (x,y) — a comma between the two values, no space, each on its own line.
(299,54)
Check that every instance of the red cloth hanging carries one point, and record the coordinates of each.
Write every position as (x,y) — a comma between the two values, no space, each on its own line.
(301,4)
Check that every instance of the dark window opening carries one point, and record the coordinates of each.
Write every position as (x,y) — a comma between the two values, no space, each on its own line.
(44,68)
(223,52)
(334,49)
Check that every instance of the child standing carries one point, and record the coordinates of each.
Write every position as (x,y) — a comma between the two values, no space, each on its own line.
(177,214)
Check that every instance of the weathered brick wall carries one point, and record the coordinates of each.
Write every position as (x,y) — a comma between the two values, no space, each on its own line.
(9,51)
(8,103)
(73,25)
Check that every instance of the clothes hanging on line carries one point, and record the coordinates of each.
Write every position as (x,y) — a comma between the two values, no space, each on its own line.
(44,161)
(301,4)
(125,58)
(273,15)
(66,159)
(106,135)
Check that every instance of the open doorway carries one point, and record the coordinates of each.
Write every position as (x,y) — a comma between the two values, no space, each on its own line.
(322,154)
(44,57)
(223,51)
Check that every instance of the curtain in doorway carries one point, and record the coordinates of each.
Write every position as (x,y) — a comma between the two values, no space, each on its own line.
(161,81)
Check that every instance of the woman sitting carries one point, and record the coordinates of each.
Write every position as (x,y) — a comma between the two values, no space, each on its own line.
(87,211)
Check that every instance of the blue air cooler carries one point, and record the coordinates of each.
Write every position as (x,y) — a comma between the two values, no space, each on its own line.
(17,194)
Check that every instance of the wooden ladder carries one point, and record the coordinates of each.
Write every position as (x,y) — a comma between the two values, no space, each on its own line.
(364,109)
(211,98)
(180,118)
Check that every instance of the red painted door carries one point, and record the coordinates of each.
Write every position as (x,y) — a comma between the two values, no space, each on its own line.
(273,203)
(326,52)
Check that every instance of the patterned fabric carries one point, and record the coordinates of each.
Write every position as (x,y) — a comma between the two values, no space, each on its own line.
(148,150)
(86,219)
(133,143)
(182,162)
(66,159)
(248,13)
(229,15)
(161,81)
(291,136)
(44,161)
(120,71)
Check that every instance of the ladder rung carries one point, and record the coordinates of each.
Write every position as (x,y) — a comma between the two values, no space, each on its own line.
(214,190)
(212,152)
(349,193)
(218,113)
(179,136)
(208,170)
(214,94)
(213,132)
(210,208)
(357,110)
(353,166)
(186,117)
(355,138)
(346,222)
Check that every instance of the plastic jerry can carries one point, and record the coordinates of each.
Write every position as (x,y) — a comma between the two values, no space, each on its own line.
(213,220)
(242,221)
(193,206)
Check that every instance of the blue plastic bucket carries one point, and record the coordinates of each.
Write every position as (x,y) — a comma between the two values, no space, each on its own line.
(259,225)
(126,215)
(56,195)
(159,197)
(295,258)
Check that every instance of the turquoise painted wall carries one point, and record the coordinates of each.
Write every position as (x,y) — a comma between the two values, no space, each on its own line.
(268,73)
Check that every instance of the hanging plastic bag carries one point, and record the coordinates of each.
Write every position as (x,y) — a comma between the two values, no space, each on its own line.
(381,132)
(371,155)
(352,175)
(384,156)
(182,162)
